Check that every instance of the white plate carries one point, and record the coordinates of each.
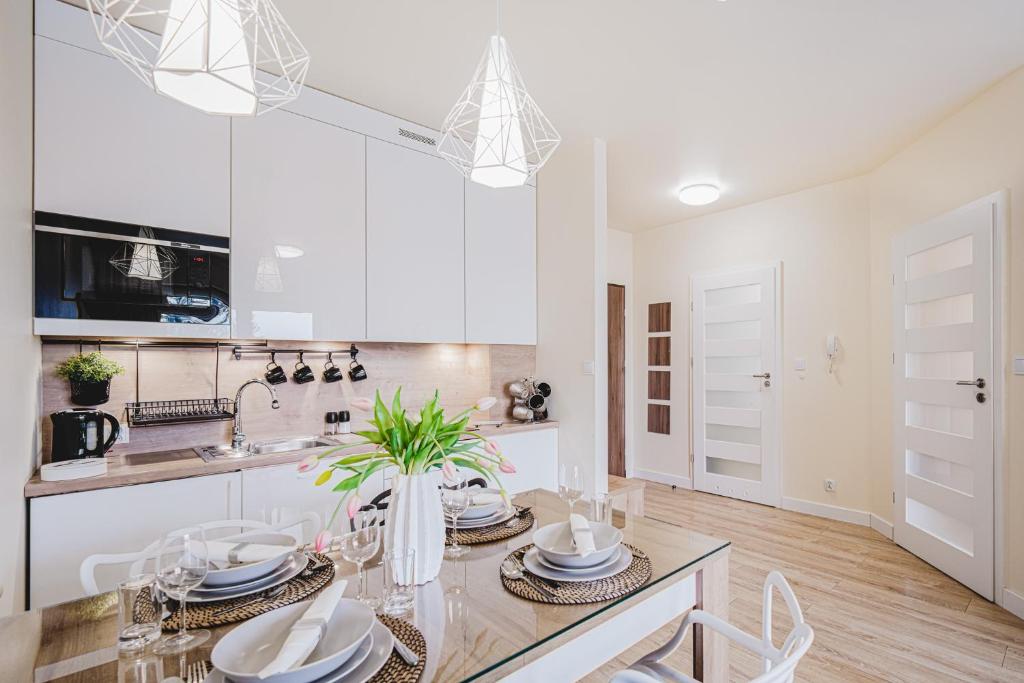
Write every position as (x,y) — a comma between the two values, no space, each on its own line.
(535,567)
(577,570)
(485,510)
(500,516)
(291,568)
(243,573)
(381,642)
(254,644)
(554,542)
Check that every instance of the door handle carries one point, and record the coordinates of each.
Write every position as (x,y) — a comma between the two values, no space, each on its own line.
(766,376)
(980,383)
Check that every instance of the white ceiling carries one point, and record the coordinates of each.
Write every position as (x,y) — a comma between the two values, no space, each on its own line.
(762,97)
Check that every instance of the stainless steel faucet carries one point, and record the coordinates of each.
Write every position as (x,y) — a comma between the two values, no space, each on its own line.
(237,435)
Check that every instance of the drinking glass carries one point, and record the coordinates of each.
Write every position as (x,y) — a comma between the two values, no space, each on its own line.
(570,484)
(399,581)
(362,544)
(455,501)
(601,509)
(138,612)
(181,565)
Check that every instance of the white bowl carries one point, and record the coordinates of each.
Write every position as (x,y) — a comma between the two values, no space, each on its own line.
(244,651)
(554,543)
(253,570)
(475,511)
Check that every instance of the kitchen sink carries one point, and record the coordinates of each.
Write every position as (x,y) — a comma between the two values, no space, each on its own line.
(297,443)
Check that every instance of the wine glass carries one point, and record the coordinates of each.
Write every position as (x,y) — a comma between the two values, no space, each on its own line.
(362,544)
(570,484)
(181,565)
(455,501)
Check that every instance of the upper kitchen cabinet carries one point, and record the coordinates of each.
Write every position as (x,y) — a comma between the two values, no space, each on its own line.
(298,241)
(501,265)
(108,147)
(414,247)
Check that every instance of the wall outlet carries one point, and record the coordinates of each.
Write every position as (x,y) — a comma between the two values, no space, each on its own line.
(122,435)
(588,367)
(830,485)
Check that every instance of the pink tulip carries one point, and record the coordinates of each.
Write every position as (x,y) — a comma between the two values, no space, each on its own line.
(322,541)
(361,403)
(354,504)
(507,467)
(449,470)
(485,403)
(308,464)
(492,448)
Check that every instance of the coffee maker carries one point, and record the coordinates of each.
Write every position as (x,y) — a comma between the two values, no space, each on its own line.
(78,433)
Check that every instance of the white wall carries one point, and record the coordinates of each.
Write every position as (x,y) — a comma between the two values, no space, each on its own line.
(19,400)
(821,237)
(572,234)
(620,272)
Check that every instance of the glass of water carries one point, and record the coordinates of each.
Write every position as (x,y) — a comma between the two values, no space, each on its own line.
(601,509)
(362,544)
(570,484)
(138,612)
(181,565)
(399,581)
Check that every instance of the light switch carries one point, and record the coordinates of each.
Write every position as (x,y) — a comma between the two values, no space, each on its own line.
(1018,365)
(800,364)
(588,367)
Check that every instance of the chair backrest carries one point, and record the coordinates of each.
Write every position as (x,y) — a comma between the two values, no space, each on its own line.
(780,662)
(137,560)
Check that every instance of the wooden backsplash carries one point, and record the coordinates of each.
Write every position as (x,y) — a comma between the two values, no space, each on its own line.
(462,373)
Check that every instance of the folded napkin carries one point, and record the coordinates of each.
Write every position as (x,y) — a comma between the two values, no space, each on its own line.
(240,552)
(486,498)
(306,632)
(582,535)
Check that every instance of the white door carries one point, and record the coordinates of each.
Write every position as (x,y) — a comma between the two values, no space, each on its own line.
(736,385)
(942,398)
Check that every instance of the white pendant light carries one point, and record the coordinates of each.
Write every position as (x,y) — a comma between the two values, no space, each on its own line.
(143,259)
(496,135)
(229,57)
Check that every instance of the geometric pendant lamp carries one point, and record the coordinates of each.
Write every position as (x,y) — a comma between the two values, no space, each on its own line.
(228,57)
(496,135)
(144,260)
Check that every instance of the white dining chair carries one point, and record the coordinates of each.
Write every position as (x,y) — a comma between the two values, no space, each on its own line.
(779,662)
(233,528)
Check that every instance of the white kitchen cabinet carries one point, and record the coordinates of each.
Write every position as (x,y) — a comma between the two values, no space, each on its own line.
(108,147)
(298,238)
(414,247)
(280,494)
(65,529)
(501,265)
(535,456)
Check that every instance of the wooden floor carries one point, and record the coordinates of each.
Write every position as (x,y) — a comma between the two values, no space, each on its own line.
(878,612)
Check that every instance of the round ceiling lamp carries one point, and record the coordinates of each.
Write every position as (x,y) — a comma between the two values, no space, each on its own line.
(699,195)
(496,135)
(227,57)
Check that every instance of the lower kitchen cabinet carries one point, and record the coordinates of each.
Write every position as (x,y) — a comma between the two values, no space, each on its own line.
(279,494)
(535,456)
(65,529)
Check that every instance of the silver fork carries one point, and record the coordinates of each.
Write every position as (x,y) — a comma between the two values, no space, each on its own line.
(197,672)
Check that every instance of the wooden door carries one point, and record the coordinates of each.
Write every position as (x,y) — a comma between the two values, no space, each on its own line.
(617,380)
(943,404)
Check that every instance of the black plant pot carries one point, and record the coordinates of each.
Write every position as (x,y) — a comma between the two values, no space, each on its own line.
(90,393)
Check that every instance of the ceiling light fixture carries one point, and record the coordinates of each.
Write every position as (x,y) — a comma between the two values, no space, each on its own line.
(496,135)
(228,57)
(699,195)
(287,251)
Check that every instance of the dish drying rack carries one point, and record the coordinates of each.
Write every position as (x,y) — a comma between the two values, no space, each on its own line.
(184,411)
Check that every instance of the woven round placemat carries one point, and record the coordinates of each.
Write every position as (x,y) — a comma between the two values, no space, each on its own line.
(583,592)
(495,532)
(207,614)
(395,669)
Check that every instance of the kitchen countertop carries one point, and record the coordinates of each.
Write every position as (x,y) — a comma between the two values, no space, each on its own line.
(145,468)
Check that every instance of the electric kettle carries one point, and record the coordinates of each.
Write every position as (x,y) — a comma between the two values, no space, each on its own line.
(78,433)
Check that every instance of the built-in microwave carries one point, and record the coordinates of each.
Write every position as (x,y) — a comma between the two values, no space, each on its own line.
(100,277)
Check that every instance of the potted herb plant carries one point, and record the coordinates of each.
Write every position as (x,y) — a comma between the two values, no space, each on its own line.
(414,444)
(89,375)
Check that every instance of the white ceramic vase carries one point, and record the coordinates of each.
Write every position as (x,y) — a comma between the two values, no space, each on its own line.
(415,520)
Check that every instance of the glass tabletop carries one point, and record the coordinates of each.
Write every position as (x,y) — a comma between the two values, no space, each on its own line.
(475,629)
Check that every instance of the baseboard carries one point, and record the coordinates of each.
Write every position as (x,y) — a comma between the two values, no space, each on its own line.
(1013,602)
(827,511)
(882,526)
(662,478)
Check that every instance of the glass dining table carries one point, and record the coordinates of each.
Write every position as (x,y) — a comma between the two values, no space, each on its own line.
(475,629)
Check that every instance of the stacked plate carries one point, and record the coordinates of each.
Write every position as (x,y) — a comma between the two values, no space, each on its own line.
(486,508)
(554,555)
(354,646)
(225,581)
